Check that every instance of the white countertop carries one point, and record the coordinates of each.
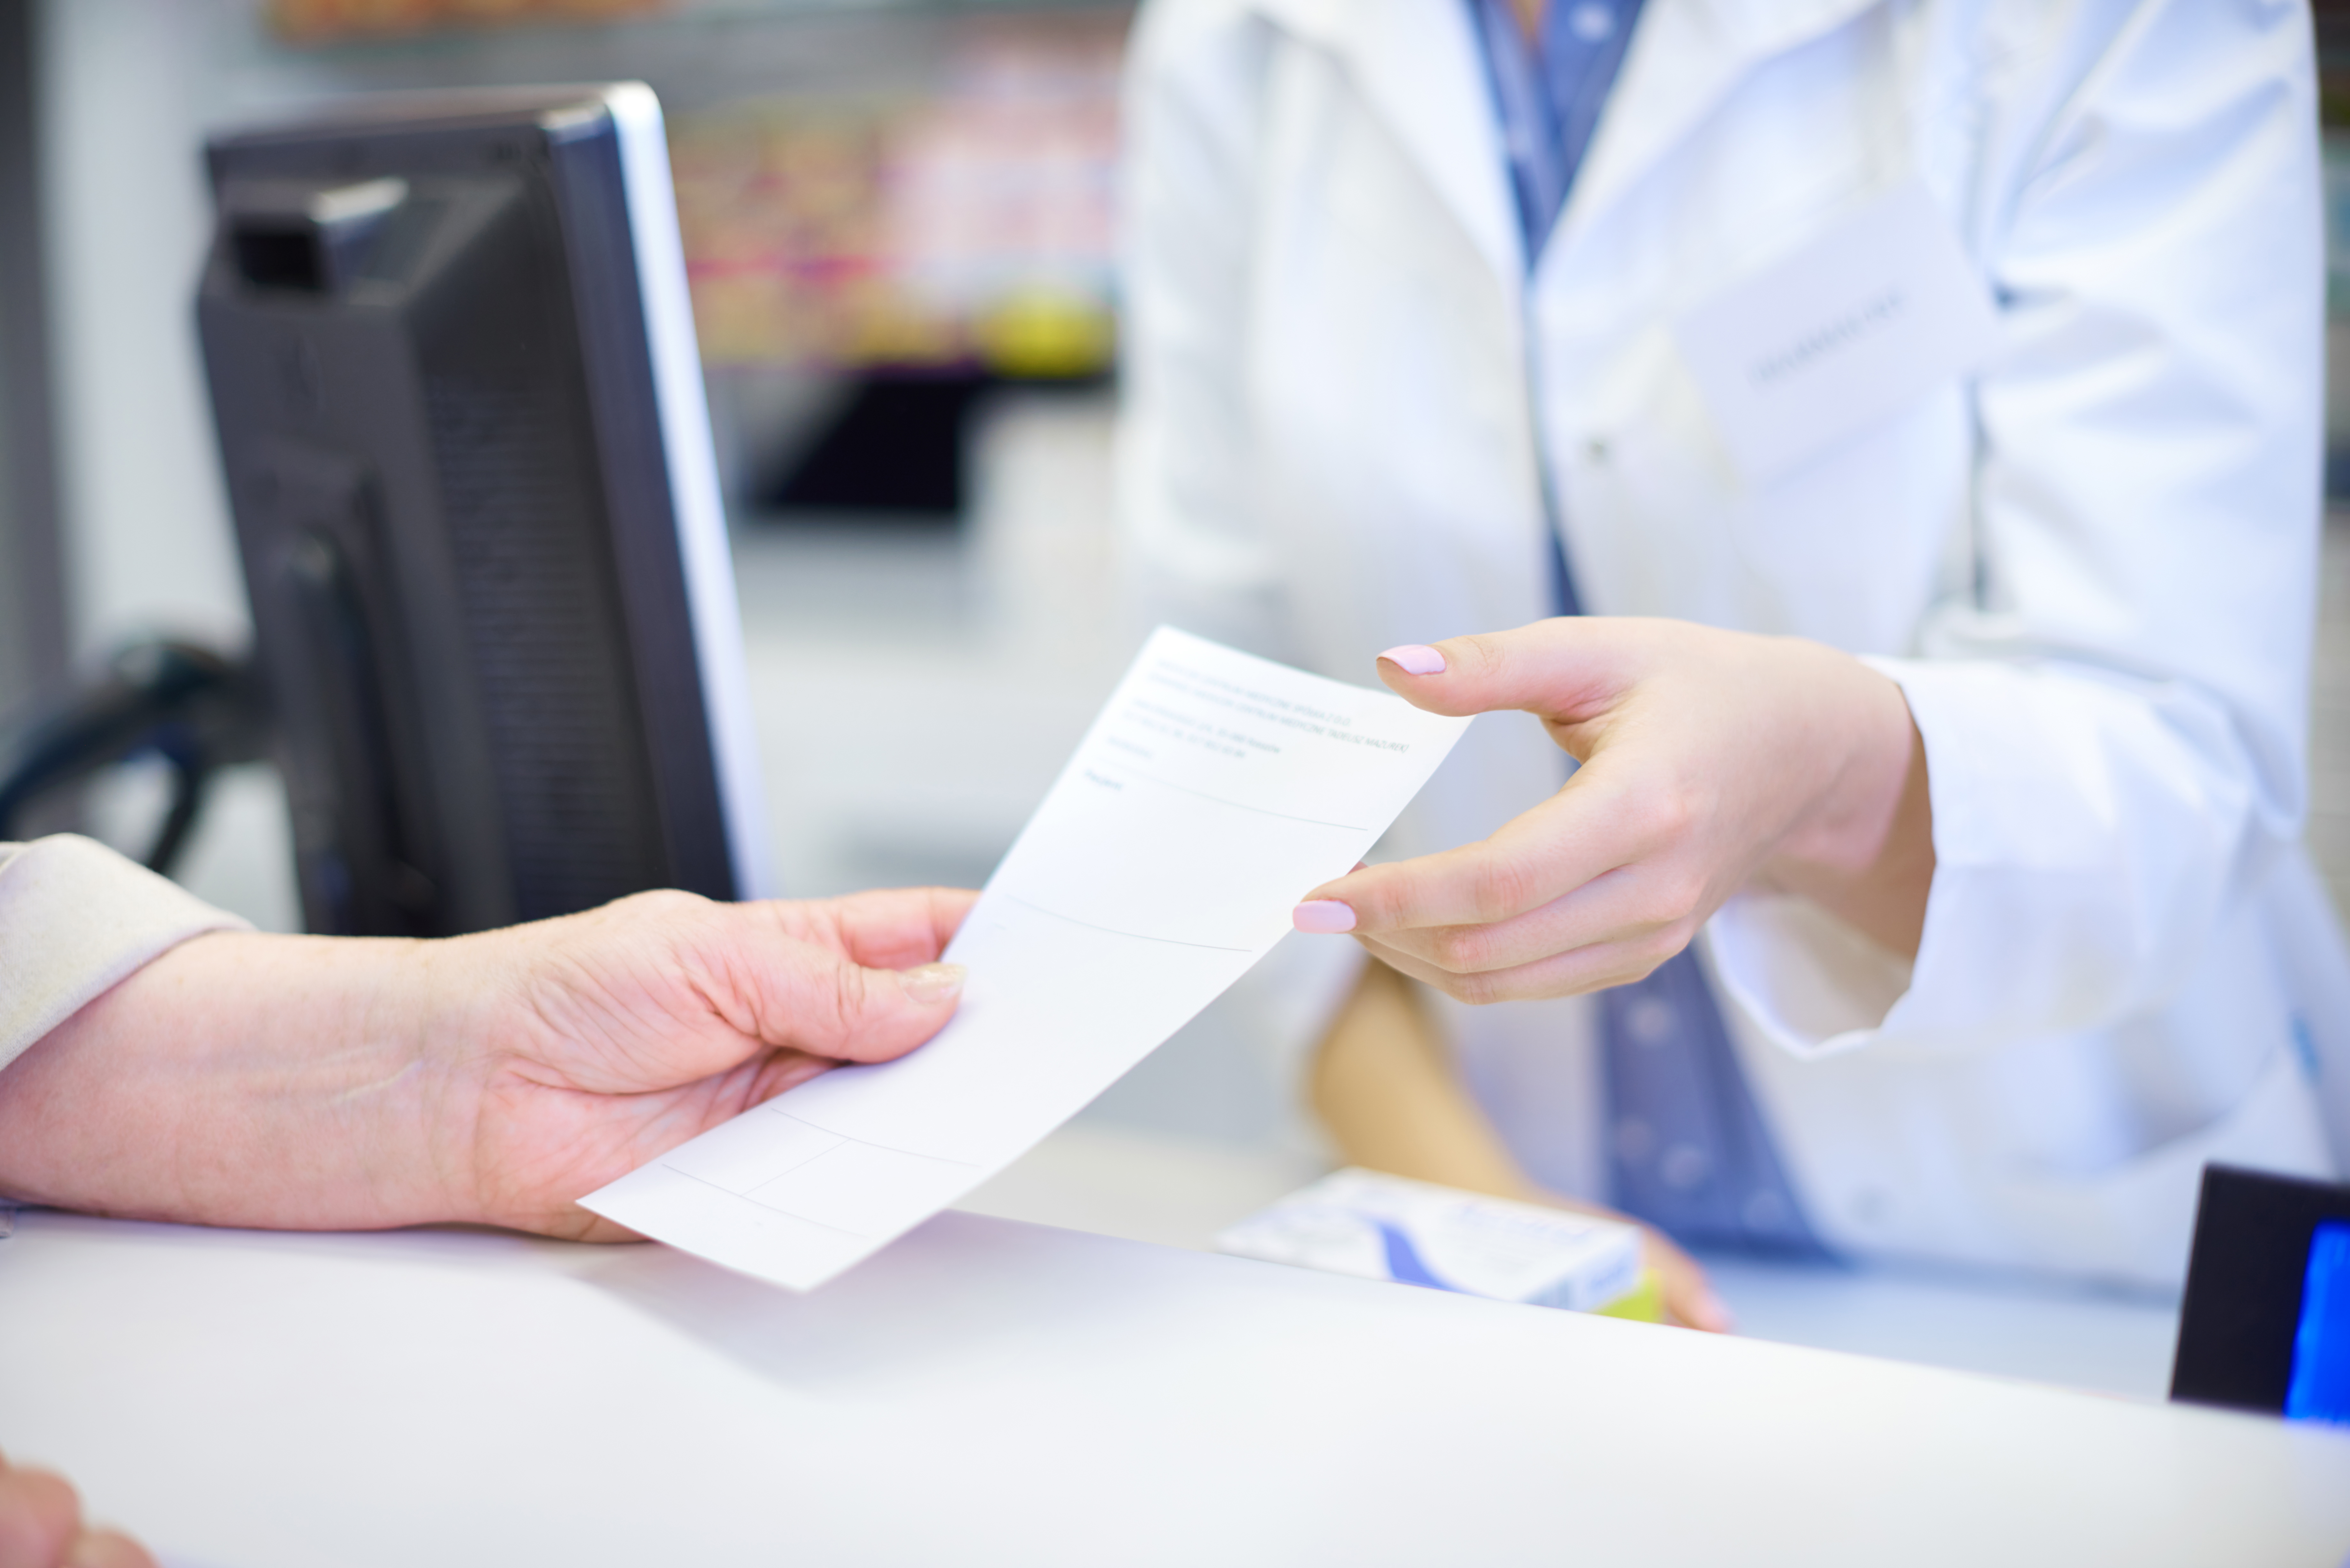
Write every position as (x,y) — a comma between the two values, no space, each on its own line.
(991,1392)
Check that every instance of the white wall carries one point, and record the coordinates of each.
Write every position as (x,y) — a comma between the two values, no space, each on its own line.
(127,88)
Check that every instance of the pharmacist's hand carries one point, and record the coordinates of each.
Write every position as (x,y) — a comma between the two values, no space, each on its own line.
(332,1083)
(1388,1091)
(41,1526)
(1707,757)
(599,1041)
(1688,1295)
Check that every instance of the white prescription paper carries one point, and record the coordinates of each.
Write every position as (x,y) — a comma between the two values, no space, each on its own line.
(1212,792)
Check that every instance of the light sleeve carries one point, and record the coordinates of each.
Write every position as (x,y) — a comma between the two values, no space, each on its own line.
(76,919)
(2114,715)
(1196,552)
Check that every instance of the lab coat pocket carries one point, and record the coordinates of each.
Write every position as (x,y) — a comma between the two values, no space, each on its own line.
(1834,338)
(1848,549)
(1851,548)
(1736,467)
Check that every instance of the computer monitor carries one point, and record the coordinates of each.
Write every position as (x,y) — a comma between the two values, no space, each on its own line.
(460,413)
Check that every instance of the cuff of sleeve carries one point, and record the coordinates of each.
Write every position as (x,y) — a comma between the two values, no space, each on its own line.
(2081,834)
(1811,984)
(76,919)
(2084,828)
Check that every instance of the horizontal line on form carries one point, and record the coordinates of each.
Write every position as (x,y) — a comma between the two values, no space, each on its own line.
(1112,931)
(1237,805)
(746,1198)
(868,1143)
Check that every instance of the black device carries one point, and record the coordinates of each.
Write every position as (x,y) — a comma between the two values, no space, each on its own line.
(460,408)
(2265,1325)
(193,708)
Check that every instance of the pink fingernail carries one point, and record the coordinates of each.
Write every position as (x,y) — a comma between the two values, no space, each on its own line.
(1413,659)
(1322,917)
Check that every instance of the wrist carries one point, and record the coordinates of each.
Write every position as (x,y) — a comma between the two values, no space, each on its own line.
(467,1007)
(1865,744)
(401,1098)
(1865,850)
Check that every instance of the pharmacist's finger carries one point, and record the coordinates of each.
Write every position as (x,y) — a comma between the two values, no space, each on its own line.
(1590,969)
(1689,1296)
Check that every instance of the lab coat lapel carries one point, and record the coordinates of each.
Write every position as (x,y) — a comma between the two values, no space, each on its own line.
(1686,57)
(1418,65)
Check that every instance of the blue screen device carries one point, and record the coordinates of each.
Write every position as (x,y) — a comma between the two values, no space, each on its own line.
(2319,1389)
(2265,1325)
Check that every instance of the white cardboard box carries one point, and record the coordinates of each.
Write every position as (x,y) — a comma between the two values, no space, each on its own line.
(1379,1227)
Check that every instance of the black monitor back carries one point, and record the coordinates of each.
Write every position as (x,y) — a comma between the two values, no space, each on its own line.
(453,370)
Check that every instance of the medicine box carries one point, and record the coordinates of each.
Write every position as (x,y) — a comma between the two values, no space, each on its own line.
(1379,1227)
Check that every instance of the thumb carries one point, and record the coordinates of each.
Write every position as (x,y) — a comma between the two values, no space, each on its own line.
(40,1516)
(1568,668)
(824,1004)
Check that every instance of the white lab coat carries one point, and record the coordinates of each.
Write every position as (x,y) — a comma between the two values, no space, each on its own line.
(2091,565)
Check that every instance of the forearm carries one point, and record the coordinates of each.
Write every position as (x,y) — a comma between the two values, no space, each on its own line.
(239,1079)
(343,1082)
(1390,1101)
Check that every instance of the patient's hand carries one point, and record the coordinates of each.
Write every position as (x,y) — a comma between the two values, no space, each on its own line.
(41,1527)
(595,1042)
(332,1083)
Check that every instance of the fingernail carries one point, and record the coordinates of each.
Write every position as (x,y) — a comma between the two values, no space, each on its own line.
(933,982)
(1713,1314)
(1413,659)
(1323,917)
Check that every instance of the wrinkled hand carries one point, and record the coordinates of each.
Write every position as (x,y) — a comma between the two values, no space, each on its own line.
(324,1083)
(595,1042)
(41,1527)
(1709,758)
